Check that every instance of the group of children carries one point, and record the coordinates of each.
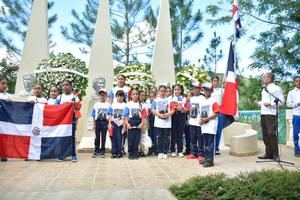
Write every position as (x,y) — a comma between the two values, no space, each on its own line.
(167,114)
(170,115)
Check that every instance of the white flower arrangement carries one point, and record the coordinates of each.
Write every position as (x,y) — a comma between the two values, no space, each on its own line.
(138,76)
(190,74)
(53,70)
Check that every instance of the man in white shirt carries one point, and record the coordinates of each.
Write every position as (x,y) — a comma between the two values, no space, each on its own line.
(293,101)
(218,96)
(269,121)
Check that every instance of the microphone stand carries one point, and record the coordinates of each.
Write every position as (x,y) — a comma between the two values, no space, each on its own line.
(279,161)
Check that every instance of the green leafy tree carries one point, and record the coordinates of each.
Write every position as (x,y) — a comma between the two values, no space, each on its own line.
(212,55)
(9,70)
(278,47)
(14,17)
(185,28)
(131,29)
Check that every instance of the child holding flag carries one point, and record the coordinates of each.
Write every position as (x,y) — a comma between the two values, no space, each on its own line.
(178,120)
(68,97)
(4,96)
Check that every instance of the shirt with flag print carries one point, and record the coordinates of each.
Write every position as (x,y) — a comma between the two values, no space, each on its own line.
(100,111)
(116,111)
(125,89)
(162,105)
(194,105)
(207,108)
(135,110)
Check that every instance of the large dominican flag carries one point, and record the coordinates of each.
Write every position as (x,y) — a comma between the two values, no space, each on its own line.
(36,131)
(229,101)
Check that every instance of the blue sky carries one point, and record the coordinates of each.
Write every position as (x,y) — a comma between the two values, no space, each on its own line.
(245,46)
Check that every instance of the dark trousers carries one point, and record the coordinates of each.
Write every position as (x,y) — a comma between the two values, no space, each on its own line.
(152,134)
(296,131)
(187,138)
(101,128)
(269,128)
(134,137)
(162,140)
(196,140)
(178,122)
(209,146)
(74,135)
(116,140)
(219,131)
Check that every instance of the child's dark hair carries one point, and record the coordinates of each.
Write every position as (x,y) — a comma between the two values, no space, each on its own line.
(181,88)
(162,86)
(120,93)
(53,87)
(124,77)
(215,77)
(3,78)
(296,77)
(40,84)
(68,81)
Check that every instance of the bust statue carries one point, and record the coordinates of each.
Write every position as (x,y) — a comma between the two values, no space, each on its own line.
(98,83)
(28,82)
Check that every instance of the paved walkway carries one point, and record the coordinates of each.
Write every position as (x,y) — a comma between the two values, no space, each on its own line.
(90,178)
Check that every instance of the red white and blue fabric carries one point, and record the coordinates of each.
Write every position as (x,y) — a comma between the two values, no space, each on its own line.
(229,102)
(236,18)
(35,131)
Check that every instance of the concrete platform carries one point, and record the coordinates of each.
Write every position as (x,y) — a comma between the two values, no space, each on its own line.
(90,178)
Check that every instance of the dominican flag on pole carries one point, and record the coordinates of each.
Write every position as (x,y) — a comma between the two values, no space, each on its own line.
(236,18)
(229,102)
(36,131)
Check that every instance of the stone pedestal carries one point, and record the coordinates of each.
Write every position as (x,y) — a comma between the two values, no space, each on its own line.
(289,128)
(162,67)
(36,46)
(100,65)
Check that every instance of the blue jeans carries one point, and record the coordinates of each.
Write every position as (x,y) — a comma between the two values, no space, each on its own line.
(116,140)
(196,140)
(296,130)
(209,142)
(219,131)
(101,127)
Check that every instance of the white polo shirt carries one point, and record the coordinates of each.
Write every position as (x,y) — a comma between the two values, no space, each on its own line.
(293,99)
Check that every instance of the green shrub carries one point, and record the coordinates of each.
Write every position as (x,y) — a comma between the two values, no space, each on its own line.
(263,185)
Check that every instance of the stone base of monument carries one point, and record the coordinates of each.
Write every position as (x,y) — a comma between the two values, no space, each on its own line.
(86,144)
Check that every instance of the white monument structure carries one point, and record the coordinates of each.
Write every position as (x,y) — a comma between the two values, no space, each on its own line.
(36,46)
(162,67)
(100,65)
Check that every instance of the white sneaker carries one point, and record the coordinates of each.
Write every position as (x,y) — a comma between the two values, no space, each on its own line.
(165,156)
(173,154)
(180,155)
(160,156)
